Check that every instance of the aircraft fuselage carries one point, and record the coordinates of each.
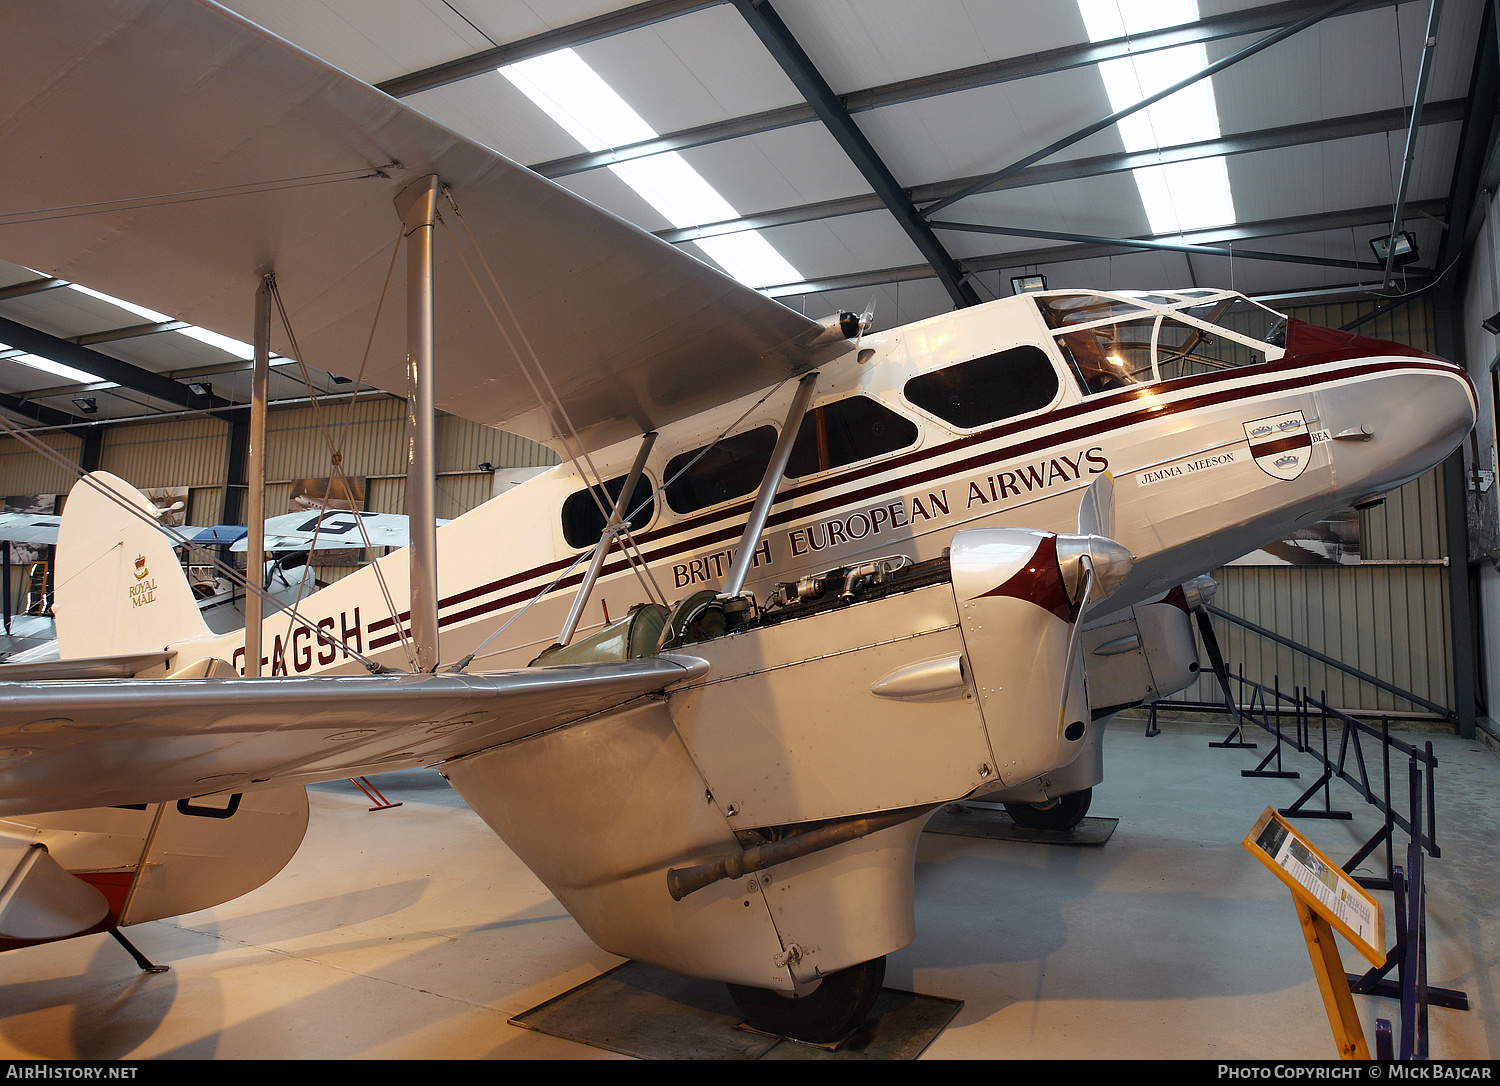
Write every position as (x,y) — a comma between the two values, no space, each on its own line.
(1207,466)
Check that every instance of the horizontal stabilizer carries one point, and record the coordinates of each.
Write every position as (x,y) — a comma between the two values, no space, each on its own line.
(91,667)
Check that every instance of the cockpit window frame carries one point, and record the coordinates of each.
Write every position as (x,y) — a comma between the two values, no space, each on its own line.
(1177,310)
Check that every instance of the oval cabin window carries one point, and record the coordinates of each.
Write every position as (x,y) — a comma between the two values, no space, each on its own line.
(987,389)
(582,522)
(727,469)
(847,431)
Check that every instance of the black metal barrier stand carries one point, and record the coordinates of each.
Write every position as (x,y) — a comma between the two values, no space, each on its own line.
(1409,955)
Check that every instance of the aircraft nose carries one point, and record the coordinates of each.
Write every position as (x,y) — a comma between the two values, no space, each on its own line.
(1390,413)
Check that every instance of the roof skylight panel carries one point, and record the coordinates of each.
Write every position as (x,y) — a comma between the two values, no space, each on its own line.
(68,373)
(229,346)
(564,87)
(1180,195)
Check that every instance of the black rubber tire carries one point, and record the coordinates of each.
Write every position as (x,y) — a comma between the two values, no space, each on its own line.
(827,1014)
(1066,813)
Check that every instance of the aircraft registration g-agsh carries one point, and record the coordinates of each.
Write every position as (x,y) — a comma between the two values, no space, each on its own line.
(846,571)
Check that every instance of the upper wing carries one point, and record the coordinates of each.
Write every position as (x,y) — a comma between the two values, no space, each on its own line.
(334,529)
(41,529)
(29,528)
(169,152)
(214,533)
(70,744)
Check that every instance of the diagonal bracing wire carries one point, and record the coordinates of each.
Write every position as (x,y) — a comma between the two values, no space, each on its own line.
(336,460)
(592,477)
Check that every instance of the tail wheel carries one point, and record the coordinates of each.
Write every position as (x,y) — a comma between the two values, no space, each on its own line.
(1061,814)
(829,1013)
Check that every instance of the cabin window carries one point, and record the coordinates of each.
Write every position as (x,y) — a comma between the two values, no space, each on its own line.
(729,468)
(984,390)
(845,431)
(582,522)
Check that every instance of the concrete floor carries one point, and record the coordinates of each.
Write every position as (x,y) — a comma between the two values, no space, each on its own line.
(414,933)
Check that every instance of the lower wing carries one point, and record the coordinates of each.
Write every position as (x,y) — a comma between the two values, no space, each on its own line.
(90,743)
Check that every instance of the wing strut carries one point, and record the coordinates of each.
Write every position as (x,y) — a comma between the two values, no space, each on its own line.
(606,537)
(255,539)
(417,206)
(735,582)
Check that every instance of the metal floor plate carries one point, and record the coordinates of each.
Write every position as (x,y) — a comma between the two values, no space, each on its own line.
(991,821)
(638,1010)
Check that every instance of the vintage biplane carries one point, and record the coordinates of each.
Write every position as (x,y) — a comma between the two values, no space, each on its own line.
(794,586)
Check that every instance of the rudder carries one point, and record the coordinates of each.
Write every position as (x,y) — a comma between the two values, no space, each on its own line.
(118,586)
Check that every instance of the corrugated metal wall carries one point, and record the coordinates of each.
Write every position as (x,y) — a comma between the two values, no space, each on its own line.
(23,471)
(178,452)
(1388,616)
(194,452)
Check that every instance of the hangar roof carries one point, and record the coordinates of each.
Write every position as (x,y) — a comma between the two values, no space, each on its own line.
(913,156)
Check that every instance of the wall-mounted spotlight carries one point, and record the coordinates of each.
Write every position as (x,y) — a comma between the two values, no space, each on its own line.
(1406,248)
(486,466)
(1027,284)
(336,379)
(87,404)
(1492,326)
(201,388)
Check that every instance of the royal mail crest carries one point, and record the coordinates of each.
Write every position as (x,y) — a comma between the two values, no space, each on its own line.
(141,572)
(1281,444)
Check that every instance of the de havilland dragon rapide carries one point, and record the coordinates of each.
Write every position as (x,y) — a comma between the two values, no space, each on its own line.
(795,585)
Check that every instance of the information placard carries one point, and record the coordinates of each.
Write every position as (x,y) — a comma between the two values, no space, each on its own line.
(1320,883)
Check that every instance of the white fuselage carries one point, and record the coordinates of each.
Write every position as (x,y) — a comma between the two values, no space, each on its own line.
(1190,493)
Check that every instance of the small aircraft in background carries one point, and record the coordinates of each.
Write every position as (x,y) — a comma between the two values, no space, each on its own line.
(796,585)
(31,637)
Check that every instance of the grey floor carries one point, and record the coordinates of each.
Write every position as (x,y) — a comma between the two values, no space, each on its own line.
(414,933)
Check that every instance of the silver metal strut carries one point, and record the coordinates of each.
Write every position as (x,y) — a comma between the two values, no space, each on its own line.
(255,476)
(606,538)
(734,584)
(417,206)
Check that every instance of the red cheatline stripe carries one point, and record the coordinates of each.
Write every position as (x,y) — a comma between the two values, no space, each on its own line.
(730,531)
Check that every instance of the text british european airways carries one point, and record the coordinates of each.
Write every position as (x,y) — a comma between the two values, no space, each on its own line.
(911,513)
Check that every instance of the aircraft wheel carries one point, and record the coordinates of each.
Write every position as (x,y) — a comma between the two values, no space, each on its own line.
(1062,814)
(826,1014)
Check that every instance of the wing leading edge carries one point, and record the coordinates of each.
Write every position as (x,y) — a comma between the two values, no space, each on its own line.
(169,152)
(70,744)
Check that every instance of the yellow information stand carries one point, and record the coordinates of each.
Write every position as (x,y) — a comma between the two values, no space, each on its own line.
(1327,900)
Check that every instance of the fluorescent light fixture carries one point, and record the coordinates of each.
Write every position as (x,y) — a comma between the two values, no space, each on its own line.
(87,404)
(1027,284)
(1178,195)
(564,87)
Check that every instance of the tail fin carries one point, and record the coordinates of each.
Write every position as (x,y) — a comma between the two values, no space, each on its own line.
(118,587)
